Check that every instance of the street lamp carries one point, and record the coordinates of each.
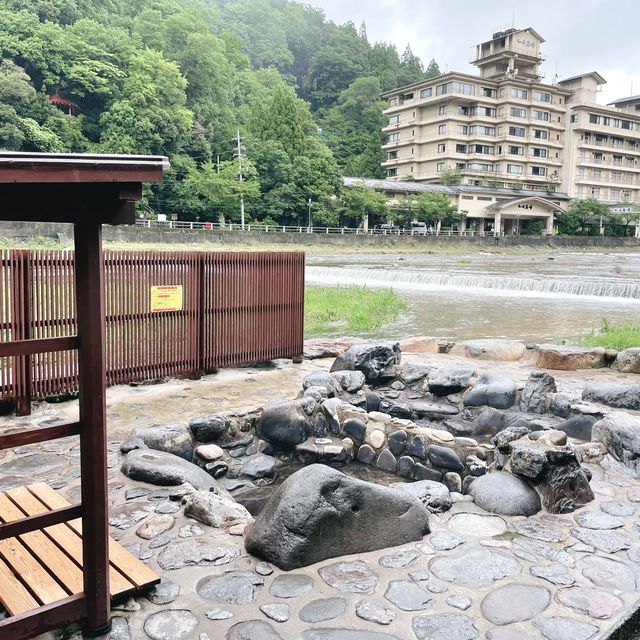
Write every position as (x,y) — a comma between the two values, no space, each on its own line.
(309,223)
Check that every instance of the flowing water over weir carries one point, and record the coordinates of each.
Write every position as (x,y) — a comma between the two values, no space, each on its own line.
(536,297)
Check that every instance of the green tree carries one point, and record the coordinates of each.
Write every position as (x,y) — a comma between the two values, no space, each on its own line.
(580,217)
(451,176)
(360,203)
(436,209)
(433,70)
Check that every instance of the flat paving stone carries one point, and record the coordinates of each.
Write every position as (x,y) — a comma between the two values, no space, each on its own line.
(507,633)
(323,609)
(609,574)
(218,614)
(459,602)
(561,628)
(477,525)
(546,551)
(174,624)
(408,596)
(277,612)
(350,577)
(201,551)
(343,634)
(445,541)
(594,603)
(618,508)
(236,587)
(373,611)
(514,603)
(155,526)
(444,626)
(253,630)
(597,520)
(536,529)
(399,560)
(264,569)
(555,573)
(476,568)
(164,593)
(119,629)
(291,585)
(607,541)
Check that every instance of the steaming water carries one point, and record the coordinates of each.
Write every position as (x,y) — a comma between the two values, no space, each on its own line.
(533,298)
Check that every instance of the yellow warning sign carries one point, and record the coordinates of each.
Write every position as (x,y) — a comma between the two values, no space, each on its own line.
(166,298)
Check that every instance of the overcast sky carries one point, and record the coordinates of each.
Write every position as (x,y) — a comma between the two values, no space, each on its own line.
(581,35)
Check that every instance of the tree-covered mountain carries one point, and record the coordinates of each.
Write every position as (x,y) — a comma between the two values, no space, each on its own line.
(181,77)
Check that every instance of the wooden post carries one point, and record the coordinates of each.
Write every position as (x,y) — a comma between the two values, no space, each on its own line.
(93,438)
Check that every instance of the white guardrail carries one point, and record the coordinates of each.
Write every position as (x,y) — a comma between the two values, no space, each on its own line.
(266,228)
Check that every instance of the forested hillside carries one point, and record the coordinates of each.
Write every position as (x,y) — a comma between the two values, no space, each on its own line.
(180,77)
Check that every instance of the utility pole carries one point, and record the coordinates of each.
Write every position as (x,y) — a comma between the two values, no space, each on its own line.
(241,179)
(218,163)
(309,224)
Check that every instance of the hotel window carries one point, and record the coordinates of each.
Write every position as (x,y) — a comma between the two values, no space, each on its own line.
(540,134)
(442,129)
(573,118)
(517,131)
(462,128)
(517,112)
(477,166)
(521,94)
(516,151)
(443,109)
(456,87)
(595,191)
(615,194)
(514,168)
(625,124)
(393,102)
(489,93)
(626,194)
(394,119)
(538,171)
(541,115)
(483,111)
(482,131)
(426,93)
(463,111)
(539,153)
(461,148)
(596,174)
(440,167)
(541,96)
(392,172)
(442,148)
(394,137)
(482,148)
(392,155)
(594,118)
(461,165)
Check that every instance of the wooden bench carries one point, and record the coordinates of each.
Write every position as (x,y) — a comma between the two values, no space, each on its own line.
(44,566)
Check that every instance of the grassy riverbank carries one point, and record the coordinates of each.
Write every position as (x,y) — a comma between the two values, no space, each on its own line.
(609,336)
(349,310)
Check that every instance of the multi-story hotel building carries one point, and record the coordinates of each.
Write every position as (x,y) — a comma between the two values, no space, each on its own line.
(505,128)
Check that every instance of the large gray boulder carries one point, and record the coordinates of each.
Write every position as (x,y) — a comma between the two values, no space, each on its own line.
(172,438)
(283,424)
(451,379)
(319,513)
(620,433)
(165,469)
(207,428)
(536,391)
(620,396)
(377,360)
(503,493)
(493,390)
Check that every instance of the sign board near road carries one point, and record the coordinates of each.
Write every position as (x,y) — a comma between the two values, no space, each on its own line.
(166,298)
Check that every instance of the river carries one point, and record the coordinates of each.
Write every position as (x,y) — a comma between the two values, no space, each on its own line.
(531,297)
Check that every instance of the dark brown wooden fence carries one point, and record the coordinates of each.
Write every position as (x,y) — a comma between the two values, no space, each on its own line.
(228,309)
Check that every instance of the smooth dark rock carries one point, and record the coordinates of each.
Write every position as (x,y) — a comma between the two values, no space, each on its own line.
(376,360)
(323,610)
(259,466)
(397,409)
(330,412)
(432,410)
(444,457)
(366,454)
(355,428)
(131,444)
(491,421)
(450,379)
(373,401)
(172,438)
(387,461)
(408,596)
(405,466)
(397,441)
(418,447)
(514,603)
(414,371)
(536,391)
(165,469)
(476,568)
(236,587)
(433,495)
(207,428)
(350,577)
(349,381)
(493,390)
(561,628)
(620,396)
(445,626)
(320,513)
(252,630)
(420,472)
(579,427)
(283,424)
(506,494)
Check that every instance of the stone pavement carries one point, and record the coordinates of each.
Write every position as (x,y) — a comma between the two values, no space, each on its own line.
(560,577)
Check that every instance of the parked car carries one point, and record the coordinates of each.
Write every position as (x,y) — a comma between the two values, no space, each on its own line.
(418,229)
(386,228)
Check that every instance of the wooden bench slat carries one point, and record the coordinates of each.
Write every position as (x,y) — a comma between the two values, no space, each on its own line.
(14,597)
(44,587)
(68,539)
(136,571)
(48,554)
